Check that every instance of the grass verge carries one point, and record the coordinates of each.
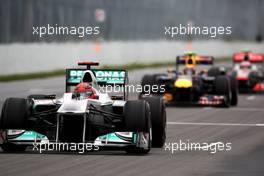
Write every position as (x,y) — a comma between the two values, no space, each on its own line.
(60,72)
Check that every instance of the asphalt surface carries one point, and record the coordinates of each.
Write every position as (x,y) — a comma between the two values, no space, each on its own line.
(241,127)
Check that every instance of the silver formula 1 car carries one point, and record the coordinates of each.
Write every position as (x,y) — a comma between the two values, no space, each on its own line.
(249,67)
(92,116)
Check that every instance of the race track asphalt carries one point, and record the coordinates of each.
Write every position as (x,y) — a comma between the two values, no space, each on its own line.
(242,126)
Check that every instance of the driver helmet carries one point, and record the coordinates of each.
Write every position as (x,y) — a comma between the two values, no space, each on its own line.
(84,91)
(245,65)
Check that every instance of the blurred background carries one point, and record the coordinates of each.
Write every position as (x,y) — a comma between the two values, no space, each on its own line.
(130,31)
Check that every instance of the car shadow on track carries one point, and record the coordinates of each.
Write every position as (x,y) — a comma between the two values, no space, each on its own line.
(94,153)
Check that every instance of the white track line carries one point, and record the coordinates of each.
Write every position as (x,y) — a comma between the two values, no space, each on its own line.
(234,109)
(246,109)
(252,97)
(217,124)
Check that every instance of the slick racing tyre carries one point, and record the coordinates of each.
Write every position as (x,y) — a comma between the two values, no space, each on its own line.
(136,116)
(234,90)
(150,81)
(158,120)
(254,78)
(137,119)
(222,87)
(147,80)
(14,113)
(214,71)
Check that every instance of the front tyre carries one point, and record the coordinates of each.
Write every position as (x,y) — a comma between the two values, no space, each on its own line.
(15,112)
(222,87)
(158,120)
(137,119)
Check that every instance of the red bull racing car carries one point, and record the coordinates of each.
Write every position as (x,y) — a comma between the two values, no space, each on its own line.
(187,85)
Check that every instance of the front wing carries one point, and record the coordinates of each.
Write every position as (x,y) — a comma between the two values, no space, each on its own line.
(116,139)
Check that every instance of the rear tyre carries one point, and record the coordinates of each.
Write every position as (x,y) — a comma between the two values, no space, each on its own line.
(147,80)
(222,87)
(151,80)
(14,113)
(158,120)
(214,71)
(254,78)
(234,90)
(9,147)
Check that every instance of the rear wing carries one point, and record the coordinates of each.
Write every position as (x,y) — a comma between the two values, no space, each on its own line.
(252,57)
(190,61)
(103,77)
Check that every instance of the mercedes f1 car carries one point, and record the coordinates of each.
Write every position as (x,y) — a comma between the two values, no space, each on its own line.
(189,86)
(85,114)
(250,71)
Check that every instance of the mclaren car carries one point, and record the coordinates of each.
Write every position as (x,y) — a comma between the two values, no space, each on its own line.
(249,67)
